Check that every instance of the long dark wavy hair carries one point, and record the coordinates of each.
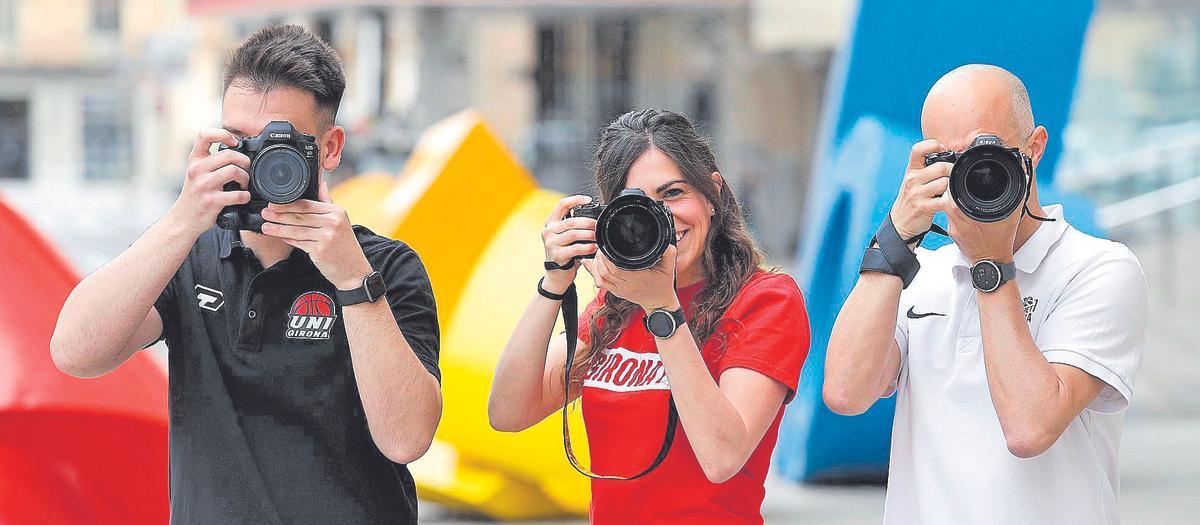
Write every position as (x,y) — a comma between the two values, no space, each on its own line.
(730,257)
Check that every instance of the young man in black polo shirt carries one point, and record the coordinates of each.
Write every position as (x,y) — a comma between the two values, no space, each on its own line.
(294,398)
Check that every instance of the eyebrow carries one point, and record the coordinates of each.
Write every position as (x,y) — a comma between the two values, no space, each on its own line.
(668,185)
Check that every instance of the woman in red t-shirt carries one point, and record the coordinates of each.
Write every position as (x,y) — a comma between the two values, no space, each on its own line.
(729,369)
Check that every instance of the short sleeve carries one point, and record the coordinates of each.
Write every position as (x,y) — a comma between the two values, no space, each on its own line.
(410,296)
(167,306)
(1098,324)
(766,330)
(901,337)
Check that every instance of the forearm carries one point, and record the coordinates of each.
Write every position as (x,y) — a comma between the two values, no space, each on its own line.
(718,433)
(519,392)
(103,312)
(1026,392)
(858,356)
(401,399)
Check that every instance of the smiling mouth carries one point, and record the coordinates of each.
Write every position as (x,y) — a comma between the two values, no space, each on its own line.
(679,235)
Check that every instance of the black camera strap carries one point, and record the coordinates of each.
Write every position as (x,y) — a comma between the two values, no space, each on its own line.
(889,254)
(1029,188)
(570,306)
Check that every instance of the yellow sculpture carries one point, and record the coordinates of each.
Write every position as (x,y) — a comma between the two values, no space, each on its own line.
(473,213)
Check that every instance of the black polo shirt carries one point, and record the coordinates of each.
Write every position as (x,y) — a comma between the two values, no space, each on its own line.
(266,422)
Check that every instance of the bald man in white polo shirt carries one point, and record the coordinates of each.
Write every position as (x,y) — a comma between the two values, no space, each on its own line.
(1011,384)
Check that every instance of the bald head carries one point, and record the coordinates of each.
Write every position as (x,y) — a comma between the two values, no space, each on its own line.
(975,99)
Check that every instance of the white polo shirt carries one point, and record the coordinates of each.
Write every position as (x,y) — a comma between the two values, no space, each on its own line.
(1085,301)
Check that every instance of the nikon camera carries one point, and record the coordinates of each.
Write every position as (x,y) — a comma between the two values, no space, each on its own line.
(283,169)
(633,230)
(989,181)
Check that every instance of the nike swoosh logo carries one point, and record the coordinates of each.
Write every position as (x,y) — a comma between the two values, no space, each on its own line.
(915,315)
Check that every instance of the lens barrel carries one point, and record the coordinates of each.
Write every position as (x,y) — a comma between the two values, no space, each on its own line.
(988,181)
(633,230)
(280,174)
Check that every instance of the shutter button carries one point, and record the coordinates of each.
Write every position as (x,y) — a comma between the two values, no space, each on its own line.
(251,314)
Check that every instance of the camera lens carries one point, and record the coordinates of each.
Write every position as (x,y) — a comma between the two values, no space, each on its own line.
(631,233)
(634,230)
(280,174)
(986,180)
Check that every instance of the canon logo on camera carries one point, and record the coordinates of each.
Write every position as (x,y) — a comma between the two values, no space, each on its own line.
(281,135)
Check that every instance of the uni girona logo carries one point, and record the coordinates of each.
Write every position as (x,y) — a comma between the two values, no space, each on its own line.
(311,316)
(621,370)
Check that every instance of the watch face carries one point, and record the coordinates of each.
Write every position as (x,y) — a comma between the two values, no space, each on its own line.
(375,285)
(660,323)
(985,275)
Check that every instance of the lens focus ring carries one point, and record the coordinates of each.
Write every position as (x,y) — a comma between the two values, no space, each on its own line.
(280,174)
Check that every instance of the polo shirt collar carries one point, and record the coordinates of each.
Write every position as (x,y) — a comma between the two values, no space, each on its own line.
(227,240)
(1034,251)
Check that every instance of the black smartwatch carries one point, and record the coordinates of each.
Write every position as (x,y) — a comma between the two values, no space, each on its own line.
(988,275)
(663,323)
(371,290)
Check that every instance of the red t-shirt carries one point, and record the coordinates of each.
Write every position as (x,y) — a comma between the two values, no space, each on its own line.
(625,397)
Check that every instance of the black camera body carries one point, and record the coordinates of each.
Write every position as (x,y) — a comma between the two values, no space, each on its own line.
(632,231)
(989,181)
(283,169)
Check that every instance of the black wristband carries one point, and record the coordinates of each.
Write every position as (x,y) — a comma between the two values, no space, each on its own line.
(551,295)
(892,256)
(551,265)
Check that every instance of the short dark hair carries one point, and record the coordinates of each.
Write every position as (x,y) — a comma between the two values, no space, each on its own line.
(289,55)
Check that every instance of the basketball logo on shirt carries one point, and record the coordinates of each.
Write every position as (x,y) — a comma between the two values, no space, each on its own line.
(621,370)
(311,316)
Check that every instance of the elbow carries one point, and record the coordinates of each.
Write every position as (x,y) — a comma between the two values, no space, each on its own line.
(65,360)
(1026,443)
(841,401)
(405,453)
(719,470)
(502,421)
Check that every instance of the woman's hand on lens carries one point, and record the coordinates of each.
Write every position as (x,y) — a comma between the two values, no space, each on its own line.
(559,239)
(652,288)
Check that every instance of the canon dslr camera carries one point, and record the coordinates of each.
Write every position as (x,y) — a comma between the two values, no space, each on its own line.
(283,169)
(633,230)
(989,181)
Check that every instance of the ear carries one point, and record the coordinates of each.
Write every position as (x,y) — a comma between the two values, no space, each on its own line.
(331,143)
(1037,145)
(720,182)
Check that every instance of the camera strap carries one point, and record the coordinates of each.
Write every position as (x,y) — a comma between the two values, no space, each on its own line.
(570,305)
(1028,188)
(891,255)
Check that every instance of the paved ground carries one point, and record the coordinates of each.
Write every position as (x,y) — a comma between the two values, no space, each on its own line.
(1160,464)
(1160,456)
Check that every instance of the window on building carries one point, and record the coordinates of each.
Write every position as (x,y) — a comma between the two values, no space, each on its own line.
(8,19)
(106,16)
(106,137)
(549,73)
(614,39)
(14,139)
(323,27)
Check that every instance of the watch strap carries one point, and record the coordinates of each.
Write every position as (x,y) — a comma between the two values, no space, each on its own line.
(1007,272)
(676,315)
(363,293)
